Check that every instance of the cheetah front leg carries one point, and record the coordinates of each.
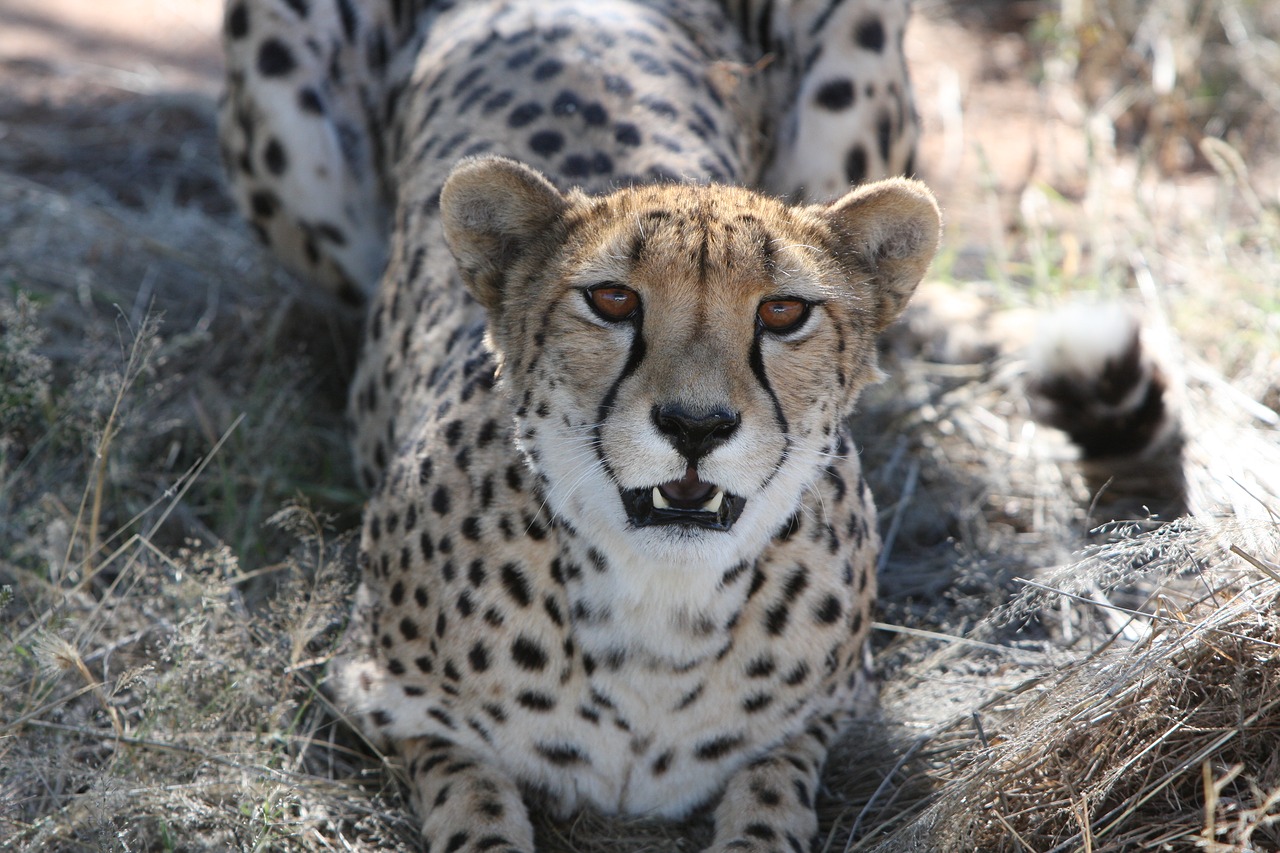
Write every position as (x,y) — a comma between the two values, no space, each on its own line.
(466,805)
(767,806)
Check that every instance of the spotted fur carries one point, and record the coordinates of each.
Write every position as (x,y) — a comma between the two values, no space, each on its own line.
(619,550)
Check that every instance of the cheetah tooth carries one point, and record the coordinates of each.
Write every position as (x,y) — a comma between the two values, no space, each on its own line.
(659,502)
(713,505)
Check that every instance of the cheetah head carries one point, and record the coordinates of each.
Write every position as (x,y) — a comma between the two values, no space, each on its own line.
(681,357)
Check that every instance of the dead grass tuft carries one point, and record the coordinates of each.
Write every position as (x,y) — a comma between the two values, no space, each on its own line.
(1169,741)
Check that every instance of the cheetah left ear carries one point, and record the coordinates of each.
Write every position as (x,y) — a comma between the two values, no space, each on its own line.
(891,230)
(496,212)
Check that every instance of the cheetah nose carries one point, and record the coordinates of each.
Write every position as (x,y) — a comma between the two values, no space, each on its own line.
(695,435)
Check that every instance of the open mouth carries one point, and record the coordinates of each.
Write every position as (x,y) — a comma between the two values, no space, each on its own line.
(688,500)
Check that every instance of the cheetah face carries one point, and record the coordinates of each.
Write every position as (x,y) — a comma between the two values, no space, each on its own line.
(681,357)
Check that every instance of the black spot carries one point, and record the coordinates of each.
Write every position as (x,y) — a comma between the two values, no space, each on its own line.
(797,675)
(757,702)
(521,58)
(264,204)
(397,593)
(761,667)
(440,501)
(662,763)
(855,164)
(796,583)
(659,107)
(497,102)
(561,754)
(595,115)
(601,163)
(717,748)
(689,698)
(456,841)
(546,142)
(528,654)
(348,14)
(615,84)
(516,584)
(760,830)
(299,6)
(565,104)
(453,432)
(547,69)
(576,166)
(471,528)
(869,34)
(309,101)
(766,796)
(274,58)
(776,619)
(835,95)
(409,628)
(828,611)
(479,657)
(552,607)
(467,80)
(627,134)
(884,134)
(238,21)
(536,701)
(649,64)
(524,114)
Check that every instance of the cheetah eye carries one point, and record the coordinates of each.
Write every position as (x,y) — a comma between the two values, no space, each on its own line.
(782,315)
(613,302)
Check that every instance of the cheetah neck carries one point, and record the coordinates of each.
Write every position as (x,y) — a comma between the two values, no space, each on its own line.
(624,607)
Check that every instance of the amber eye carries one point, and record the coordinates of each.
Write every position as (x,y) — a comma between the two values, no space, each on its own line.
(782,315)
(612,302)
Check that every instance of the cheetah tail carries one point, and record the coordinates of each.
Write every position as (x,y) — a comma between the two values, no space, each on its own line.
(1093,375)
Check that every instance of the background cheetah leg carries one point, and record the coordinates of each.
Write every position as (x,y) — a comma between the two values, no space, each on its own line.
(844,107)
(302,156)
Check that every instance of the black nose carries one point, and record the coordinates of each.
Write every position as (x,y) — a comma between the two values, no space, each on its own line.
(695,435)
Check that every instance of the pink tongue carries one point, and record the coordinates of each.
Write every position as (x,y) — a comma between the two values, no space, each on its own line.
(688,491)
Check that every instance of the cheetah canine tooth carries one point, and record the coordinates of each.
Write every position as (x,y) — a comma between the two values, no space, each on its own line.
(714,504)
(659,502)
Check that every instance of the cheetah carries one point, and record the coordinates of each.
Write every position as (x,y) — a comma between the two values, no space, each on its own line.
(621,299)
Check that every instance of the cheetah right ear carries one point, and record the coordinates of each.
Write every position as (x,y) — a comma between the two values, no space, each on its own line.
(889,229)
(495,211)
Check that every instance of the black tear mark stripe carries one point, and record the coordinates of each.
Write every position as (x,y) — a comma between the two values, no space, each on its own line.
(634,357)
(756,360)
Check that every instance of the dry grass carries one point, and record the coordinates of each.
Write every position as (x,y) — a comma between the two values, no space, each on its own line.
(176,509)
